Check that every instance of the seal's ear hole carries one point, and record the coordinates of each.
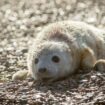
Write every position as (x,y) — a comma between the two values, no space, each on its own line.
(55,59)
(36,60)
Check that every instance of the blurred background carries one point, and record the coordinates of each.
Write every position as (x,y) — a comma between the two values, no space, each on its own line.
(21,20)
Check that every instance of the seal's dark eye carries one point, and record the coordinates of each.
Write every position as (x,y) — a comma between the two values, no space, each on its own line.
(55,59)
(36,60)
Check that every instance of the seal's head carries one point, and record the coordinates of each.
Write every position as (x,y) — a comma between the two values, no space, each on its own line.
(50,61)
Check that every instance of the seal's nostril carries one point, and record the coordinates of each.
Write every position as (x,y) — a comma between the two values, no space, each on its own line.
(42,70)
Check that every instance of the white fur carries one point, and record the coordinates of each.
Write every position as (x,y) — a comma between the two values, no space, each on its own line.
(77,44)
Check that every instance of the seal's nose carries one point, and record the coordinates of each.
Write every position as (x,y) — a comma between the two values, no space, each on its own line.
(42,70)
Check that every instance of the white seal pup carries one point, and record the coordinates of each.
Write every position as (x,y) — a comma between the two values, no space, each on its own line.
(62,48)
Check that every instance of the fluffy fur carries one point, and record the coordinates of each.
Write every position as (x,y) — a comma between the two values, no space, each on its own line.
(76,45)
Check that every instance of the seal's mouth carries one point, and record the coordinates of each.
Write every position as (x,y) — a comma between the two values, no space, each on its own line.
(47,78)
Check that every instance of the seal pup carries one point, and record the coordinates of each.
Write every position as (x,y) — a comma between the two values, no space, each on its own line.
(62,48)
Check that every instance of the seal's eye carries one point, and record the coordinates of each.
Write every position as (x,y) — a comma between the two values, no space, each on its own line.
(55,59)
(36,60)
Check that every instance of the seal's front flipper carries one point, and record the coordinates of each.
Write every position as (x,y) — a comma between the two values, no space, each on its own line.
(88,58)
(21,75)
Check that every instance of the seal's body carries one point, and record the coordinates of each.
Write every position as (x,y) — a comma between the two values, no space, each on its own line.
(62,48)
